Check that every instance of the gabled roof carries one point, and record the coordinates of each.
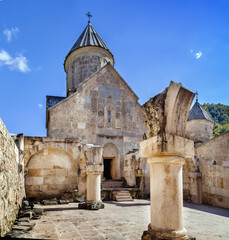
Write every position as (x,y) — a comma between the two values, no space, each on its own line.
(53,100)
(198,112)
(89,37)
(91,77)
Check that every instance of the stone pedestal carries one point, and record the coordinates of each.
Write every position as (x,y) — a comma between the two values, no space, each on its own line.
(166,155)
(93,200)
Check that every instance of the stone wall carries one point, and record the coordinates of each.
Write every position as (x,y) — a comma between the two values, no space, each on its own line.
(192,189)
(84,62)
(199,130)
(104,110)
(153,112)
(214,165)
(136,172)
(11,178)
(56,167)
(51,167)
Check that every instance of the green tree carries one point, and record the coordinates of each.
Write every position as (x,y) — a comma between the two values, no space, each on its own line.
(220,114)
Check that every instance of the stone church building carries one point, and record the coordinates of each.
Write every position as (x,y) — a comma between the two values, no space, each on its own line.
(93,137)
(100,109)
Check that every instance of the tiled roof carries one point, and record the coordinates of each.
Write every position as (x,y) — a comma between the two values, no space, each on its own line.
(198,112)
(53,100)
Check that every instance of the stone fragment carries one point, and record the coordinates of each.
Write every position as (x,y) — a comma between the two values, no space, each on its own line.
(21,228)
(24,219)
(80,198)
(15,233)
(91,206)
(28,214)
(25,203)
(38,211)
(63,201)
(28,224)
(49,202)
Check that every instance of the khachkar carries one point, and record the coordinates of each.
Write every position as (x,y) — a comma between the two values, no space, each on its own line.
(94,168)
(166,149)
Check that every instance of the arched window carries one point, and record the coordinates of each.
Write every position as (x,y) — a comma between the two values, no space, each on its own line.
(109,116)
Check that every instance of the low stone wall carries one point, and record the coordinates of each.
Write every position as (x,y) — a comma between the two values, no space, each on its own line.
(206,176)
(11,178)
(51,167)
(214,166)
(192,190)
(135,172)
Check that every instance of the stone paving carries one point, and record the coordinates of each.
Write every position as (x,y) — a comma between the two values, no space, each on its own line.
(124,221)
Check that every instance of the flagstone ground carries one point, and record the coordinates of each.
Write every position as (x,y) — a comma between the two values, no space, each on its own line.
(124,221)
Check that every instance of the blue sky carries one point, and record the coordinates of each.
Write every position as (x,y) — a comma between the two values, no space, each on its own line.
(153,42)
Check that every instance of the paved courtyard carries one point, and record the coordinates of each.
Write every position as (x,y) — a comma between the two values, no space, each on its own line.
(124,221)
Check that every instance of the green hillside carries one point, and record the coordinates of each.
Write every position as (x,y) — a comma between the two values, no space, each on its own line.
(220,114)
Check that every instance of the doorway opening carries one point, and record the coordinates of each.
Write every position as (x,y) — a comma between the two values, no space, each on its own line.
(107,162)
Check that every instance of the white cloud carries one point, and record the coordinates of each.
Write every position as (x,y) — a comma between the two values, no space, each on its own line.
(198,54)
(9,33)
(40,105)
(4,56)
(18,63)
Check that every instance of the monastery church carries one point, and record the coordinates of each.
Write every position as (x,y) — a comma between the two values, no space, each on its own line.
(100,109)
(102,144)
(99,139)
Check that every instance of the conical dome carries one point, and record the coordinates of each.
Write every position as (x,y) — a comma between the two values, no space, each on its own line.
(198,112)
(87,56)
(89,37)
(199,126)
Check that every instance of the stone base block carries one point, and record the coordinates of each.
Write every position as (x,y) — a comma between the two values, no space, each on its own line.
(91,206)
(153,234)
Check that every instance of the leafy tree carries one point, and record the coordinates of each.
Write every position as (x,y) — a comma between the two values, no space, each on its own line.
(220,114)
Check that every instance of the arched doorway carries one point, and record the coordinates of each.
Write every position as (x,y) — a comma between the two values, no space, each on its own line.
(110,161)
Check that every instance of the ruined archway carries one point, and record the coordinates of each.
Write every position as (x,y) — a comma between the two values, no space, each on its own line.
(50,172)
(111,161)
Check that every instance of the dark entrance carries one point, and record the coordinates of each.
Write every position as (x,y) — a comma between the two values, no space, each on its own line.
(107,168)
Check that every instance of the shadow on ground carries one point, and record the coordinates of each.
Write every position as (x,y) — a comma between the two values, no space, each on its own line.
(207,208)
(126,204)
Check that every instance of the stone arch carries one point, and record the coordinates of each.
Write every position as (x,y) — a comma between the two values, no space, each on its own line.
(110,152)
(50,172)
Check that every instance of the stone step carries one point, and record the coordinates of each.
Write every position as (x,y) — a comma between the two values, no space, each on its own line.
(124,199)
(122,193)
(122,196)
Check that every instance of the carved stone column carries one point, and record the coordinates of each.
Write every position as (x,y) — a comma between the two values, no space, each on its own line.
(94,169)
(166,149)
(166,192)
(94,184)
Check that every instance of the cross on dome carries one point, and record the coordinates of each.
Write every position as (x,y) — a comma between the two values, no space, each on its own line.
(197,94)
(89,16)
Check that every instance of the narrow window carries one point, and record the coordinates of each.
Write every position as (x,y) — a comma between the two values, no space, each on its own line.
(109,116)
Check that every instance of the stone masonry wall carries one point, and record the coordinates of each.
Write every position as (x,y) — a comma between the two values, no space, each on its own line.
(82,64)
(214,165)
(51,167)
(103,110)
(11,178)
(199,130)
(153,112)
